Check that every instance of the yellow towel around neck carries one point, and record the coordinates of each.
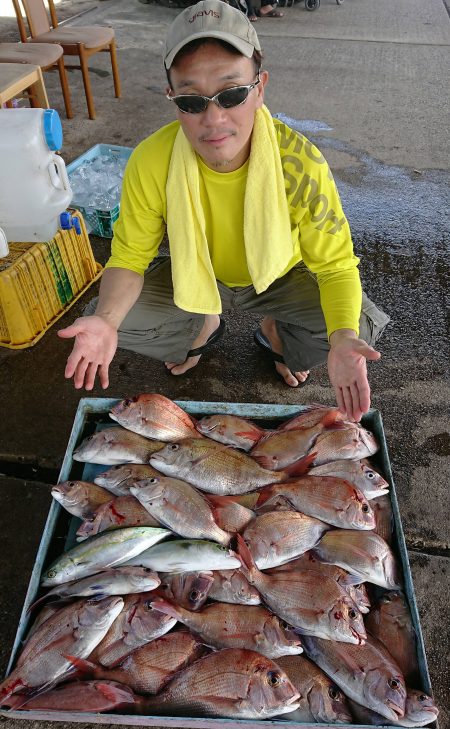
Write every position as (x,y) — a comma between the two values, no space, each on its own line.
(267,228)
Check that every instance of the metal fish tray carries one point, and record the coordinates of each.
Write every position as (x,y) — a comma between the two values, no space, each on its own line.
(59,535)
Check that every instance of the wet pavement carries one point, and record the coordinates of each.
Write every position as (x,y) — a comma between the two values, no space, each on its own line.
(365,82)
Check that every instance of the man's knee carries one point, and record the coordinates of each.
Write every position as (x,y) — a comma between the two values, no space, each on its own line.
(90,308)
(373,321)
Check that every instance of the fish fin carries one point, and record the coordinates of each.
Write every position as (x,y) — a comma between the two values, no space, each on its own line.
(300,467)
(215,504)
(17,701)
(36,603)
(350,580)
(111,693)
(218,501)
(164,606)
(265,494)
(250,435)
(244,554)
(10,687)
(331,418)
(34,693)
(80,664)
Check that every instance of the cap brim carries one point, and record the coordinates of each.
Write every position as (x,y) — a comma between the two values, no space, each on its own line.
(243,46)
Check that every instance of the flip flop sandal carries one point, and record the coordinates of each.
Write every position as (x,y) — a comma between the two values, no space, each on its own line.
(262,341)
(271,14)
(212,339)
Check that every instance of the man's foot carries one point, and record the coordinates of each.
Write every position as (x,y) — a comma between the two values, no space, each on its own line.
(269,329)
(268,11)
(212,324)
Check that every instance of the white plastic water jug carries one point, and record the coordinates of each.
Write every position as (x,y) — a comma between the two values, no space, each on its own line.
(34,185)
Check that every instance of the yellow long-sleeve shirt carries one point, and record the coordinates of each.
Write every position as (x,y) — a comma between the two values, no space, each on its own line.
(320,232)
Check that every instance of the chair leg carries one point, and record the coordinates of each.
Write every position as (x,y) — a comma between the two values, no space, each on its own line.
(65,87)
(115,68)
(86,80)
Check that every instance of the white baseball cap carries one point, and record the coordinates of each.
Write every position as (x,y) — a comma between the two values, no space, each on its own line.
(211,19)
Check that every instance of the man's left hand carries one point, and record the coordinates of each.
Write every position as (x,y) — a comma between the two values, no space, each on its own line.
(347,370)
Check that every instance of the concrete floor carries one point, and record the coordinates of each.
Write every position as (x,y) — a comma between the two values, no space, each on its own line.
(368,83)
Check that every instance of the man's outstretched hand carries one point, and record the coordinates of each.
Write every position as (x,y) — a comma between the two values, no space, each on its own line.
(94,348)
(347,369)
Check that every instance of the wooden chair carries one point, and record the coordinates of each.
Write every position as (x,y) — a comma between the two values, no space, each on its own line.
(48,56)
(81,41)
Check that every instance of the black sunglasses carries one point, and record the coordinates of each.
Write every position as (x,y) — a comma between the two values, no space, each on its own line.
(195,103)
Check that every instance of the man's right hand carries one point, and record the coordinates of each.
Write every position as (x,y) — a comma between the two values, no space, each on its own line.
(94,348)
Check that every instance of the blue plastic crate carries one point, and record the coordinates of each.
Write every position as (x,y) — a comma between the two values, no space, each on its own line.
(92,415)
(99,222)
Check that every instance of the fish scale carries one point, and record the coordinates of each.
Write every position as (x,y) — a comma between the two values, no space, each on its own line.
(49,664)
(232,683)
(136,625)
(364,554)
(366,673)
(321,700)
(276,537)
(213,467)
(237,626)
(309,601)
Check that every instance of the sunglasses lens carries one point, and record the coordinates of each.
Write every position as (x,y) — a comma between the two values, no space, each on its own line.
(191,104)
(232,97)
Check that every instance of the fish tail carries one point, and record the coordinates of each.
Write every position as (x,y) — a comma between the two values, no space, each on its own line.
(301,466)
(265,494)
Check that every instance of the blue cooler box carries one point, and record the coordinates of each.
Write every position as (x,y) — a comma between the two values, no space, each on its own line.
(99,222)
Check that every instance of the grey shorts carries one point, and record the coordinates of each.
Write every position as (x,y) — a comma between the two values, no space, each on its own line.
(157,328)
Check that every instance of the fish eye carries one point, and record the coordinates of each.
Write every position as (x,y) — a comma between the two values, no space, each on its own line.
(194,595)
(365,508)
(370,475)
(148,605)
(394,683)
(174,446)
(334,693)
(352,613)
(422,697)
(147,569)
(273,678)
(153,480)
(51,573)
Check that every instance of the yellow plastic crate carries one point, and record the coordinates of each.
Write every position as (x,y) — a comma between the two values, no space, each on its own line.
(39,282)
